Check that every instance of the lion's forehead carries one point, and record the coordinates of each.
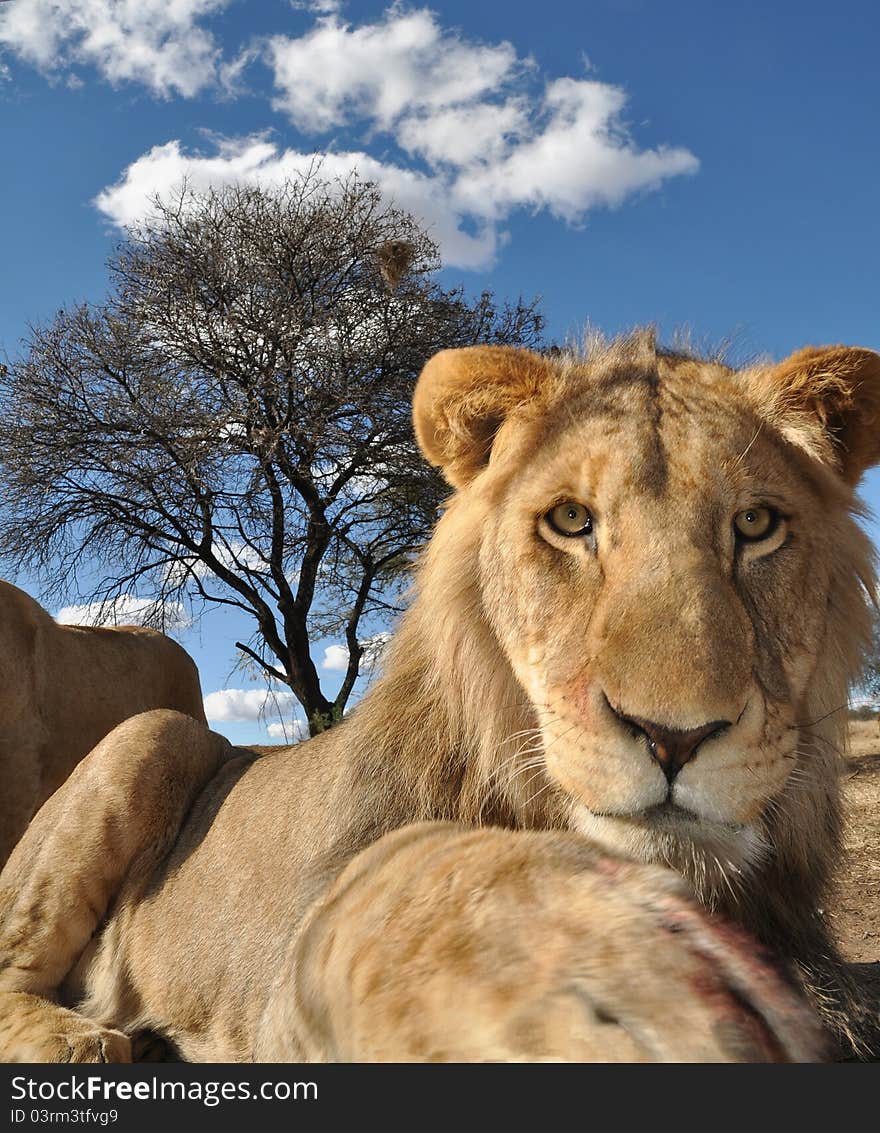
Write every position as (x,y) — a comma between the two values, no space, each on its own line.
(650,438)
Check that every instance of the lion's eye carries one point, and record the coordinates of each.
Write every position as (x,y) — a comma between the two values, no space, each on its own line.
(755,523)
(570,519)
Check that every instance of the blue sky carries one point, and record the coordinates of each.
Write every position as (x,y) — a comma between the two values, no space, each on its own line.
(709,166)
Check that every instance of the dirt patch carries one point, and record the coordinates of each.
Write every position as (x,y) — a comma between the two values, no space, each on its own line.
(855,909)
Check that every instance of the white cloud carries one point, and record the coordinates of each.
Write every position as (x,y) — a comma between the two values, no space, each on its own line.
(254,160)
(289,731)
(380,71)
(491,140)
(251,704)
(335,659)
(579,160)
(464,135)
(126,610)
(155,42)
(479,133)
(230,72)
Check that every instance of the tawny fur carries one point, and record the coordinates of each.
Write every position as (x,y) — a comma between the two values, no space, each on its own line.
(290,908)
(65,688)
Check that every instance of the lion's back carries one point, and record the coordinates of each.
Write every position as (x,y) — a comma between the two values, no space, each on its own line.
(65,688)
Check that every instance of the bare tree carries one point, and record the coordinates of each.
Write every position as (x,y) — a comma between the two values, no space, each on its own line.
(232,425)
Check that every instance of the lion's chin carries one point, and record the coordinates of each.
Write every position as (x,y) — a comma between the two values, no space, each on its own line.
(711,855)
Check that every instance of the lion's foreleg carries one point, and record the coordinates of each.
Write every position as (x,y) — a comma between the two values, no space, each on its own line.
(121,808)
(441,943)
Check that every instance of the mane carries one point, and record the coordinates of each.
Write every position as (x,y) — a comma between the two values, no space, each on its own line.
(448,727)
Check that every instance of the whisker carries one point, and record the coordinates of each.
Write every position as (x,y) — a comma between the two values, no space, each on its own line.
(537,795)
(818,720)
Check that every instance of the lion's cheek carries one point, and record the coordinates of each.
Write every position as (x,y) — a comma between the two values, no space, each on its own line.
(733,791)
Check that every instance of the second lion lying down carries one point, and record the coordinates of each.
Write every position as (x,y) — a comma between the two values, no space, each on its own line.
(615,687)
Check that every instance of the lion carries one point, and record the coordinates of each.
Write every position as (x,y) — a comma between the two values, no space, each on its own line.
(65,688)
(588,812)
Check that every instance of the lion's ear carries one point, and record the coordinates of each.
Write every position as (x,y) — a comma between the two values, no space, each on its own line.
(463,397)
(834,388)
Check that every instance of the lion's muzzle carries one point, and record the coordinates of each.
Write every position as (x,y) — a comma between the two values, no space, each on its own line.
(670,747)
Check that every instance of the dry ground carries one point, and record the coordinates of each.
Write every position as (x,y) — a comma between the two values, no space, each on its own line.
(854,910)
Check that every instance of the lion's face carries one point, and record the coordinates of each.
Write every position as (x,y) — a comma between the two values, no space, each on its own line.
(655,559)
(665,646)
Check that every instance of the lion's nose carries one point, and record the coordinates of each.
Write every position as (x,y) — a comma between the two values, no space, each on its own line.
(670,747)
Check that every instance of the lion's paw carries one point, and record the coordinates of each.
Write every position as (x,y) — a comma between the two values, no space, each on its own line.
(682,986)
(84,1043)
(499,946)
